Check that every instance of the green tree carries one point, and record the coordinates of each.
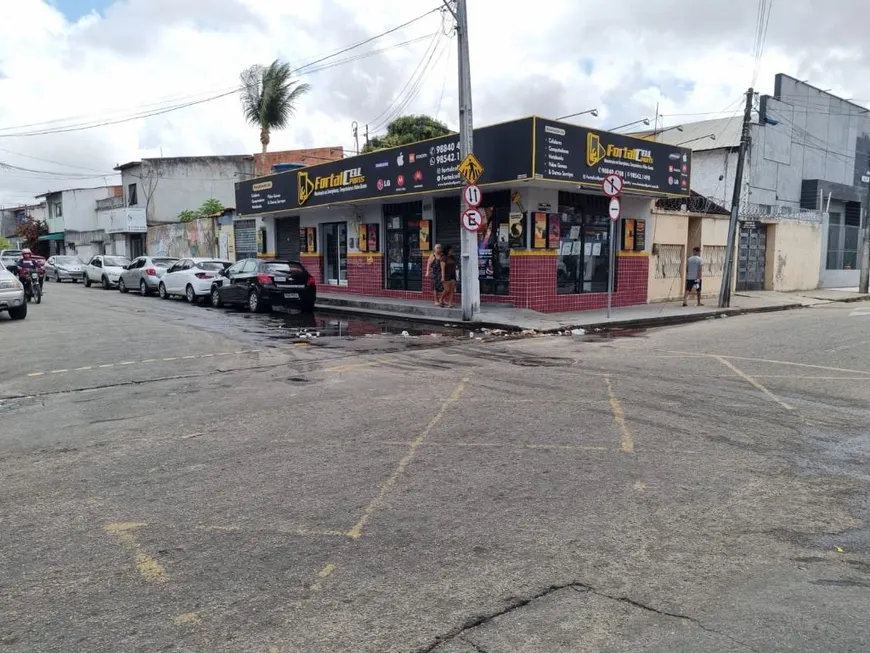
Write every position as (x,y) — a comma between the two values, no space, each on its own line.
(210,207)
(269,95)
(4,243)
(187,215)
(408,129)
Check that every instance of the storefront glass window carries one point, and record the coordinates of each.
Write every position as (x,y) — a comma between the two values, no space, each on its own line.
(404,259)
(583,258)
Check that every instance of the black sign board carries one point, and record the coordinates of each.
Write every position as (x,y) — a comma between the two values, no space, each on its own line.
(505,150)
(583,156)
(640,236)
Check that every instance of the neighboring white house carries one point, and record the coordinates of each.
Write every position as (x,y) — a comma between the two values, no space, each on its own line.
(73,213)
(808,161)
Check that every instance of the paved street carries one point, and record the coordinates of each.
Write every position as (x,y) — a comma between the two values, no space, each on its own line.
(177,478)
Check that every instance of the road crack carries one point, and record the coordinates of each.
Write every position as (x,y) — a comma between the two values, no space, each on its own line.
(515,603)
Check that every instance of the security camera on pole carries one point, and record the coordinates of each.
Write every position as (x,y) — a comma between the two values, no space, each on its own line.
(470,167)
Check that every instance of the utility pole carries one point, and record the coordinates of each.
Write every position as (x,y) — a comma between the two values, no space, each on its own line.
(725,289)
(864,279)
(470,275)
(355,131)
(367,135)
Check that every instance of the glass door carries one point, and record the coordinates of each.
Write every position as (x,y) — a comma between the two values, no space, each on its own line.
(404,258)
(335,253)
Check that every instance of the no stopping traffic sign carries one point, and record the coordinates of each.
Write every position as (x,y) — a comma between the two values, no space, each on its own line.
(472,219)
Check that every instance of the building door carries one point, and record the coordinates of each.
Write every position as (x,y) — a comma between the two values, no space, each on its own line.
(246,238)
(335,252)
(137,246)
(751,250)
(287,238)
(403,255)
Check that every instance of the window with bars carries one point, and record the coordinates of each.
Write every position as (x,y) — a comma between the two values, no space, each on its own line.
(668,261)
(714,260)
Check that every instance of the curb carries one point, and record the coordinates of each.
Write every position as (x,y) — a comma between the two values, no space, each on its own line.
(639,323)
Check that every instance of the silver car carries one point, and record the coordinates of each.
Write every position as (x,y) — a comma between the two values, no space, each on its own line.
(12,295)
(64,268)
(144,274)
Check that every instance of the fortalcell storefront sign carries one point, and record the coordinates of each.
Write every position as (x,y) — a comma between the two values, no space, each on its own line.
(583,156)
(517,150)
(505,150)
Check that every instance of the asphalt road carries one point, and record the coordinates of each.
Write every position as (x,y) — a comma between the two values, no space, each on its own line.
(182,479)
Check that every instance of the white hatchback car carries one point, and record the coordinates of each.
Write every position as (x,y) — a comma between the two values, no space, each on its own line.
(105,270)
(191,278)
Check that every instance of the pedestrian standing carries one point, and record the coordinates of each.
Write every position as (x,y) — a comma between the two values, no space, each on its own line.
(448,274)
(433,271)
(694,270)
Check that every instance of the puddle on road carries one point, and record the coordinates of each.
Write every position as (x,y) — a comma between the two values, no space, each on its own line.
(296,326)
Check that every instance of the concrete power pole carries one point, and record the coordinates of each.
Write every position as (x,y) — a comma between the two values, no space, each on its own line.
(725,289)
(470,280)
(864,280)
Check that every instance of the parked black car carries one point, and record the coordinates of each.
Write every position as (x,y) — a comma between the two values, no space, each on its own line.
(260,285)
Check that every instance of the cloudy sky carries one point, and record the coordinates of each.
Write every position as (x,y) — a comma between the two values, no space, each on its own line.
(65,64)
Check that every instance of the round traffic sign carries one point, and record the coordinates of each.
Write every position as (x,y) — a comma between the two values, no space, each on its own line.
(612,185)
(472,195)
(614,209)
(472,219)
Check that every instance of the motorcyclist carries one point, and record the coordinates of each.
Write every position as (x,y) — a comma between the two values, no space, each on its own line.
(26,265)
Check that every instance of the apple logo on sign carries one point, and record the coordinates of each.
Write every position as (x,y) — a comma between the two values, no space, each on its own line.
(400,160)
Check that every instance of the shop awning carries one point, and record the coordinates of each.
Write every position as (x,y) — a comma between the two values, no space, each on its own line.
(55,236)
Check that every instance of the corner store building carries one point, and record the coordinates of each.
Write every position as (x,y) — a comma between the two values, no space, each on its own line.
(365,225)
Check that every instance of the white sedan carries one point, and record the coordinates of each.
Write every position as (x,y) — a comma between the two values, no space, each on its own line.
(105,270)
(191,278)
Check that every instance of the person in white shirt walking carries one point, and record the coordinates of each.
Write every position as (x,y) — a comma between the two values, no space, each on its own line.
(694,268)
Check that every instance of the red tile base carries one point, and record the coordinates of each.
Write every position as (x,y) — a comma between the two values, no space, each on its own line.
(532,283)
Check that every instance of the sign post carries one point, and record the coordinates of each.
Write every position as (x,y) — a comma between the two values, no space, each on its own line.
(612,186)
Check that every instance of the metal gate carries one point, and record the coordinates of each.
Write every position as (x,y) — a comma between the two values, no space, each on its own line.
(287,238)
(246,238)
(751,250)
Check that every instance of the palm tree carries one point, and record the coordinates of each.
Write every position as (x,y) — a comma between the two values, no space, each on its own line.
(269,96)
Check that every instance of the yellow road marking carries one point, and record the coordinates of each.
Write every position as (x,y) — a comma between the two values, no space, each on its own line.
(127,363)
(108,365)
(322,575)
(191,618)
(376,503)
(148,567)
(753,382)
(59,371)
(626,440)
(149,360)
(508,445)
(171,358)
(36,374)
(188,357)
(86,367)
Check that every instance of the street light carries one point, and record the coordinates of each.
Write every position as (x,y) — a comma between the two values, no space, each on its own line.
(594,112)
(645,121)
(712,137)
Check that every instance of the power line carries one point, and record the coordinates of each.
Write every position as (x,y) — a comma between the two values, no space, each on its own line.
(413,91)
(308,68)
(374,121)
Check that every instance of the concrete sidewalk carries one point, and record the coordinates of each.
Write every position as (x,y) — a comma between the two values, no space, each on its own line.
(660,314)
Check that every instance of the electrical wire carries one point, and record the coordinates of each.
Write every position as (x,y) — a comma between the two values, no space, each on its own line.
(374,121)
(446,75)
(413,91)
(306,68)
(762,24)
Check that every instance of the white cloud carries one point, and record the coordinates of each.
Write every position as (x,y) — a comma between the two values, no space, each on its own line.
(551,57)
